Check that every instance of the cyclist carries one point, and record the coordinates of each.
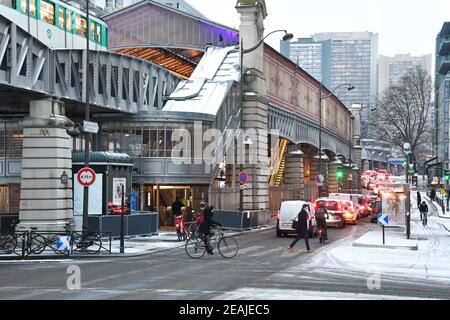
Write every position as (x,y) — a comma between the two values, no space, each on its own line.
(321,219)
(423,208)
(205,227)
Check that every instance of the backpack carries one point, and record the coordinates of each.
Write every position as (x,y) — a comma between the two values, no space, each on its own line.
(200,218)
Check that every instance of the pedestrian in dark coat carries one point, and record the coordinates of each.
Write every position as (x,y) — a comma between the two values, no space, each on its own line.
(419,199)
(433,194)
(206,226)
(302,229)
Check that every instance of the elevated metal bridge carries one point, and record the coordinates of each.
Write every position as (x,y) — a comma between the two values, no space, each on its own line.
(119,83)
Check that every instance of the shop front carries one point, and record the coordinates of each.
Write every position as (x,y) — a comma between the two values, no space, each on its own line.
(159,198)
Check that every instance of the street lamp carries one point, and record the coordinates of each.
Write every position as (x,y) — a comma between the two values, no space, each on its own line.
(349,88)
(247,142)
(407,150)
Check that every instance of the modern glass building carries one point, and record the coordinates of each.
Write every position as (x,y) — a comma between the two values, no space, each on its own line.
(345,57)
(442,98)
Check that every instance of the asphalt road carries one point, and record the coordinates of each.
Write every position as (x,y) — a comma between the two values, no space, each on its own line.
(262,262)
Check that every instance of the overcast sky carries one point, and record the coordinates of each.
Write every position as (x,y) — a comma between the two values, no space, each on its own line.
(404,26)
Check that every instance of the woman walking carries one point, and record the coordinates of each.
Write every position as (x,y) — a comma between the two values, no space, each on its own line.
(302,229)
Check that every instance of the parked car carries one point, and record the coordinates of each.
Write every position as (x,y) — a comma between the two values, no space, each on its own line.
(287,214)
(336,215)
(351,212)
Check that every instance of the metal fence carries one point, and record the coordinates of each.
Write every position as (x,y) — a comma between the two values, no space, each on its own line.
(242,220)
(139,224)
(26,244)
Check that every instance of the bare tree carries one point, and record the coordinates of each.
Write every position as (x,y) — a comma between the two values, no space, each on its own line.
(404,112)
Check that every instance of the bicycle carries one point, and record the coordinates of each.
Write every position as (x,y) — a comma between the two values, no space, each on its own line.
(191,229)
(87,242)
(424,219)
(8,244)
(226,245)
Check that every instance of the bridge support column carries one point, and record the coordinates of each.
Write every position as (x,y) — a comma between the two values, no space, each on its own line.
(323,191)
(333,183)
(254,104)
(46,183)
(294,176)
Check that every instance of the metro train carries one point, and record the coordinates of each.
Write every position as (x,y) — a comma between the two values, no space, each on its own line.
(56,23)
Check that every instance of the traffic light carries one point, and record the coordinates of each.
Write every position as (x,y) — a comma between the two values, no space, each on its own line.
(447,176)
(340,173)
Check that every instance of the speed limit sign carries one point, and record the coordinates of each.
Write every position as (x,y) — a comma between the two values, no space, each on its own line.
(86,177)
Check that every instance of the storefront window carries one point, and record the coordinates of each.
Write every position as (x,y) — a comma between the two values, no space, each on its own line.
(47,12)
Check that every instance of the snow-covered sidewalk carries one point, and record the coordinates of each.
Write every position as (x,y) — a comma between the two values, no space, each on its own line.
(430,262)
(393,240)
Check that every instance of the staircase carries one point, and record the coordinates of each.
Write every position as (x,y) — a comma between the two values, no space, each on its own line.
(277,170)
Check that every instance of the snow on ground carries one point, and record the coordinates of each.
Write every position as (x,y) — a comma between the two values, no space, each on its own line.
(283,294)
(430,262)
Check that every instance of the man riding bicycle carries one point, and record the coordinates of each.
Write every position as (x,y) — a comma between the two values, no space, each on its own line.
(423,208)
(205,227)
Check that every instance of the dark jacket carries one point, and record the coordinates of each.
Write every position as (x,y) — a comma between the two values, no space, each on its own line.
(321,217)
(423,208)
(205,227)
(419,198)
(302,225)
(176,207)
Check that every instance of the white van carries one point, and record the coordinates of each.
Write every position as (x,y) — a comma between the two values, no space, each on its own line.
(288,212)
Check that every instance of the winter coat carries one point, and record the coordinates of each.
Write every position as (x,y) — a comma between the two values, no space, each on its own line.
(302,225)
(176,207)
(419,198)
(423,208)
(321,217)
(205,227)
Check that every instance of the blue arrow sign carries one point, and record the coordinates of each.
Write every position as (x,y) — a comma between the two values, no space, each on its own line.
(383,219)
(63,243)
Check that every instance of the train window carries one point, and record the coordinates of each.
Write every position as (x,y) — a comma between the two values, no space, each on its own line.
(80,26)
(98,33)
(92,32)
(61,18)
(68,21)
(24,4)
(47,12)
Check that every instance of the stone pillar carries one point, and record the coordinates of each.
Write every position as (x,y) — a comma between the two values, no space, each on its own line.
(324,172)
(254,105)
(333,183)
(46,199)
(142,198)
(294,176)
(355,109)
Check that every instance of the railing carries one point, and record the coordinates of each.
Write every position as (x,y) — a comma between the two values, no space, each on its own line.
(26,244)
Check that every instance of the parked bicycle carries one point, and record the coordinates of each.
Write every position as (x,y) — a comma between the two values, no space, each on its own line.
(226,245)
(88,242)
(8,243)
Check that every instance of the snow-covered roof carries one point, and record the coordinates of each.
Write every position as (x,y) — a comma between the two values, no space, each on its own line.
(210,83)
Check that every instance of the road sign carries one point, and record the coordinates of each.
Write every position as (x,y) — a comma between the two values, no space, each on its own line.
(243,177)
(63,243)
(396,161)
(320,179)
(86,177)
(89,126)
(383,219)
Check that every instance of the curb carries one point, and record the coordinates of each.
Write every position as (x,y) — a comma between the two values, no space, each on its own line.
(438,209)
(118,255)
(380,246)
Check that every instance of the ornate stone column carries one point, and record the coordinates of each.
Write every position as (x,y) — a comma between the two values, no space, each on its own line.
(46,183)
(294,173)
(254,105)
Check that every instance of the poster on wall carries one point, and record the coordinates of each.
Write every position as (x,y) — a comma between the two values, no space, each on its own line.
(117,190)
(394,205)
(95,196)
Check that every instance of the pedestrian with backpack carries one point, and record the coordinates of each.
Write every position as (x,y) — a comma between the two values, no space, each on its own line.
(301,225)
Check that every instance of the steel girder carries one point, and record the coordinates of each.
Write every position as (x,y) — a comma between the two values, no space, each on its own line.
(117,82)
(299,130)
